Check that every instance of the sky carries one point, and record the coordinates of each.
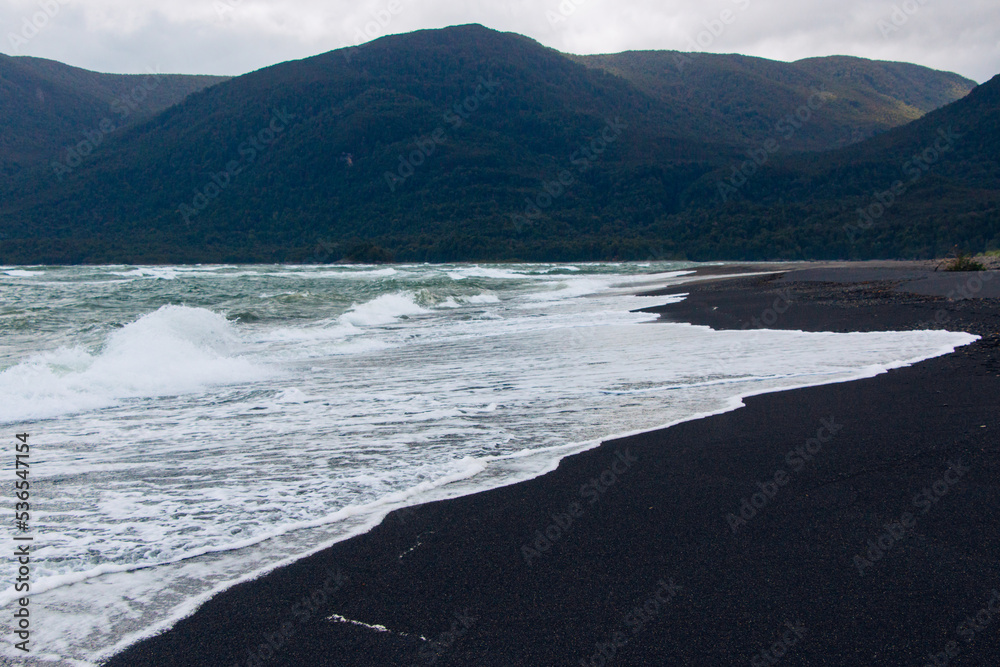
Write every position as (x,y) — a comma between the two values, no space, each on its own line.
(233,37)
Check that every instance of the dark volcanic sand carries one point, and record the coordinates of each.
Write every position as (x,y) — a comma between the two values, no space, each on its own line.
(454,572)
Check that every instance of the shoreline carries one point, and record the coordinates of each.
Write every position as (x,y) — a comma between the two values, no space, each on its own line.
(452,585)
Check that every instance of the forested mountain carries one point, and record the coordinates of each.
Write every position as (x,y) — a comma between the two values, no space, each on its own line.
(743,97)
(467,143)
(47,107)
(915,191)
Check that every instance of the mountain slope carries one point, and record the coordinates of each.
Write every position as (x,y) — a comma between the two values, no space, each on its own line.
(47,106)
(743,97)
(918,87)
(915,191)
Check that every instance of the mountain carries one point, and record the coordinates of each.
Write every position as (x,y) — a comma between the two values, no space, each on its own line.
(367,144)
(743,97)
(914,191)
(461,143)
(48,107)
(917,87)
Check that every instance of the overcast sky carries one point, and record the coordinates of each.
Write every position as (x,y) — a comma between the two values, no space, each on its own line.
(237,36)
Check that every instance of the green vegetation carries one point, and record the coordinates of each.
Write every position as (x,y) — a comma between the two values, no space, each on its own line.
(48,107)
(743,98)
(964,262)
(520,170)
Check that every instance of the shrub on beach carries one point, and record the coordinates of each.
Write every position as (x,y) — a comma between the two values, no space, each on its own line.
(964,262)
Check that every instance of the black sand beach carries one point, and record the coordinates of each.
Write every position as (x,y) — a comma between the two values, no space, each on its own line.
(847,524)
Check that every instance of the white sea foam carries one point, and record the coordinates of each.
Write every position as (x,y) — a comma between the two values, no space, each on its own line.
(467,272)
(341,273)
(385,309)
(481,298)
(158,273)
(173,350)
(475,299)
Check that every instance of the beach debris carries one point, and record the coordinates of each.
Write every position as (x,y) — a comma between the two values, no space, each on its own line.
(337,618)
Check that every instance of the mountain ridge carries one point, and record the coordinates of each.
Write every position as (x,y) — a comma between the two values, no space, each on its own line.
(781,87)
(369,164)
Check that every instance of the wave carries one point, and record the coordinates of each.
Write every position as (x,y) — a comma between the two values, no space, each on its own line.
(385,309)
(348,332)
(174,350)
(466,272)
(569,289)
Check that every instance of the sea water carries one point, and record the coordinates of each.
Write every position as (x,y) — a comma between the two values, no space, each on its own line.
(195,426)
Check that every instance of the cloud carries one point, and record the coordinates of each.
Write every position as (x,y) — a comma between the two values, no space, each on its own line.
(237,36)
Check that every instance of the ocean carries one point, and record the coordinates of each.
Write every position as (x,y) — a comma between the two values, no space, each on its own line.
(195,426)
